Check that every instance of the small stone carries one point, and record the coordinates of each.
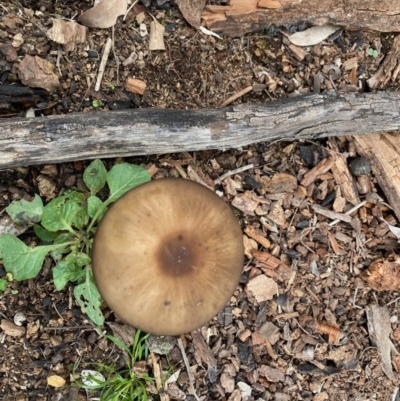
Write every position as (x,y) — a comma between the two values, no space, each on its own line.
(360,166)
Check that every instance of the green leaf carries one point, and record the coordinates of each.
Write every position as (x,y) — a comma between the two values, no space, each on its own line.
(95,176)
(120,344)
(20,260)
(44,234)
(94,204)
(3,285)
(123,177)
(57,217)
(70,269)
(24,212)
(88,298)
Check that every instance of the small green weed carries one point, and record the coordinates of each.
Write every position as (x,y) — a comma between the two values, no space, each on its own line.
(67,225)
(372,52)
(127,384)
(97,103)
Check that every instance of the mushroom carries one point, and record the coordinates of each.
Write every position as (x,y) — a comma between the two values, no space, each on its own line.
(167,256)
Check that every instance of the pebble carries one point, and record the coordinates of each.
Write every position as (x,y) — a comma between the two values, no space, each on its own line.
(360,166)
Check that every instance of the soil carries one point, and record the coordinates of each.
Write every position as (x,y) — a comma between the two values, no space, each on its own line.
(312,338)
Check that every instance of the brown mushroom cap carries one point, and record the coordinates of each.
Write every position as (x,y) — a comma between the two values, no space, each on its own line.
(167,256)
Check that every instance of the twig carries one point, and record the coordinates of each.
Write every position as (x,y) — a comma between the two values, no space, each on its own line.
(190,374)
(354,299)
(69,327)
(157,375)
(129,9)
(103,62)
(233,172)
(237,95)
(361,204)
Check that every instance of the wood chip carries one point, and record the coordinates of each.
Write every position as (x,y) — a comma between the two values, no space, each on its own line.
(280,183)
(350,63)
(331,214)
(389,69)
(272,375)
(379,328)
(257,235)
(383,152)
(344,178)
(321,168)
(269,262)
(104,13)
(135,85)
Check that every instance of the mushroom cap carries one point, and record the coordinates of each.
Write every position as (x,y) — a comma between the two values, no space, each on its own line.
(167,256)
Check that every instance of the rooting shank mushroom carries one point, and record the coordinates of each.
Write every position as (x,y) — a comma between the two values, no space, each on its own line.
(167,256)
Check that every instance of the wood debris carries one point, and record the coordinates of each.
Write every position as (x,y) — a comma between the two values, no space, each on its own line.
(240,17)
(383,152)
(390,68)
(156,41)
(379,328)
(135,85)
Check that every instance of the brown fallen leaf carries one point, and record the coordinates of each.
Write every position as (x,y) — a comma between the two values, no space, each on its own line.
(156,41)
(262,288)
(383,274)
(55,381)
(191,11)
(38,73)
(104,14)
(67,33)
(11,329)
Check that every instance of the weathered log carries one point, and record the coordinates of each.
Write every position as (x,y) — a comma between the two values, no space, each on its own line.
(160,131)
(254,15)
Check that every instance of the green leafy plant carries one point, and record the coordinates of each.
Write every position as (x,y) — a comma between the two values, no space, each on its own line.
(129,384)
(97,103)
(372,52)
(66,225)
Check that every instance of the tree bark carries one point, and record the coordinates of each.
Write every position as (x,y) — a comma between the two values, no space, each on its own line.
(92,135)
(241,16)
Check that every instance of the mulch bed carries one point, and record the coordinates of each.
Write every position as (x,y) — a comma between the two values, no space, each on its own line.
(296,328)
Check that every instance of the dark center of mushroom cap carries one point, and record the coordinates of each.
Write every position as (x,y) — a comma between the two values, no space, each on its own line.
(179,254)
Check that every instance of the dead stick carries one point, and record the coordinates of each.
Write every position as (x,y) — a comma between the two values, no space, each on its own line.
(190,374)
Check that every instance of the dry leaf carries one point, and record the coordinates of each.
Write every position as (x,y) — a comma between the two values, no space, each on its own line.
(38,73)
(313,36)
(11,329)
(104,14)
(249,245)
(191,11)
(47,188)
(272,375)
(67,33)
(262,288)
(383,274)
(246,202)
(55,381)
(156,41)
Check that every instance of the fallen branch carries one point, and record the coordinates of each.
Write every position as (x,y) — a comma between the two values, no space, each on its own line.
(241,16)
(159,131)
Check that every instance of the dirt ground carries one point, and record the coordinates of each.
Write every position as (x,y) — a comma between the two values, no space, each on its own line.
(313,337)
